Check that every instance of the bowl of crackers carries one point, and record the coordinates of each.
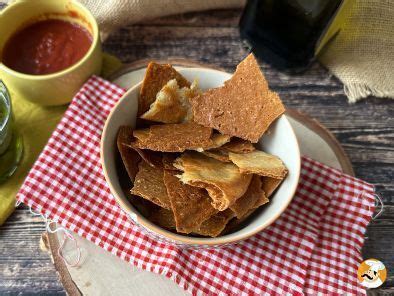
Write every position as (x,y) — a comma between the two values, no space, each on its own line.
(201,157)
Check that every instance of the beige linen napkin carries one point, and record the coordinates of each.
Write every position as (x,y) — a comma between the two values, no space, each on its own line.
(361,55)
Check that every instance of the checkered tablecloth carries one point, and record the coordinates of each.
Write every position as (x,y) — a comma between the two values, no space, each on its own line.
(313,247)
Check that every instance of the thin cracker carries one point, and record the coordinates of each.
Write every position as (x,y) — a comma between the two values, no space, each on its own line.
(149,184)
(191,205)
(211,227)
(174,137)
(164,218)
(216,224)
(260,163)
(151,157)
(216,141)
(130,158)
(244,107)
(172,104)
(253,198)
(233,224)
(237,145)
(218,154)
(270,185)
(168,161)
(143,206)
(156,76)
(223,181)
(141,134)
(127,150)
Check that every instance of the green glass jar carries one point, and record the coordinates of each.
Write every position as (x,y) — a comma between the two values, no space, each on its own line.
(11,144)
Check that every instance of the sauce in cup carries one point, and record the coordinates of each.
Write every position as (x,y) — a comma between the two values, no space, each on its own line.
(46,47)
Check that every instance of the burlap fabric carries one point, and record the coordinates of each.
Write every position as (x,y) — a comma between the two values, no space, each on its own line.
(362,54)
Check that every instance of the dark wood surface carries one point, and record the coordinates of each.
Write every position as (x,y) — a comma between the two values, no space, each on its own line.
(365,129)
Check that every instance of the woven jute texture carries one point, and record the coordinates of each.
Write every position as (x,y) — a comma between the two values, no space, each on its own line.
(362,54)
(112,14)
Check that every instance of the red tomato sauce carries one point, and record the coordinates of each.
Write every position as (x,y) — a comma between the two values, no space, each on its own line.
(46,47)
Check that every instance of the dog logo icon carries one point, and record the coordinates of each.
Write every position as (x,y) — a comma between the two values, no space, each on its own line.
(371,273)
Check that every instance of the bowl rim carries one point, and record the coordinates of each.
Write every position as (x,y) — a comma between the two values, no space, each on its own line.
(128,208)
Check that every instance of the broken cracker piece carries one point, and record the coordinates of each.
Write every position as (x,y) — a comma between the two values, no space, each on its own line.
(174,137)
(143,206)
(141,134)
(191,205)
(244,107)
(149,184)
(253,198)
(163,217)
(156,77)
(168,161)
(270,184)
(238,146)
(129,157)
(223,181)
(235,145)
(218,154)
(172,104)
(211,227)
(216,141)
(151,157)
(260,163)
(125,145)
(216,224)
(233,224)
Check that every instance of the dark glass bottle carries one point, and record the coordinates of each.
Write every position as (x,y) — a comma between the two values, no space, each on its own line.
(289,33)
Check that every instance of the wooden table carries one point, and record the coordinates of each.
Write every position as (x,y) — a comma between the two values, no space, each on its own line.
(364,129)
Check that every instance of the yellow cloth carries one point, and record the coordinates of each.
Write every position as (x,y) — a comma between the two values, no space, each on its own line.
(36,124)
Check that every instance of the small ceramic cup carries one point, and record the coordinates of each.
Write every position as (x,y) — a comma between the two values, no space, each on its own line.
(60,87)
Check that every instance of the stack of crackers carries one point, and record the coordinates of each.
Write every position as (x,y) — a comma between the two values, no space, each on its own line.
(192,160)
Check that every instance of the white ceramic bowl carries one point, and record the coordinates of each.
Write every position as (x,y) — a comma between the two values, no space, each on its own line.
(280,140)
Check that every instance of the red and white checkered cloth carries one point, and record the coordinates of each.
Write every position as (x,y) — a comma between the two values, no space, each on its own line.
(313,247)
